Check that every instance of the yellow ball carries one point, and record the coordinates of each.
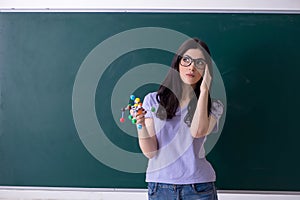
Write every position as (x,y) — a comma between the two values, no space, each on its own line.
(137,100)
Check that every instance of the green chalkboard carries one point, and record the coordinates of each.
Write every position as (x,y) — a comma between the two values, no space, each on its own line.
(40,56)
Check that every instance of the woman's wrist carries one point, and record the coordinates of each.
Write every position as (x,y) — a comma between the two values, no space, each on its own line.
(204,91)
(143,133)
(203,98)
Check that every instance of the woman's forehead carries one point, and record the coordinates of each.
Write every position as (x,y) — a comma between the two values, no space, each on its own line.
(194,53)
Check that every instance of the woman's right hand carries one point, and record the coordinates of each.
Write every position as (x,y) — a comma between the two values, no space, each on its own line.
(139,116)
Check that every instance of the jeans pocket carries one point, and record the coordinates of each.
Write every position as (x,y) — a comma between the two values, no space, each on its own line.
(203,188)
(152,187)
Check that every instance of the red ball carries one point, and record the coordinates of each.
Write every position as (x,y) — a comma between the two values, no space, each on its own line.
(122,120)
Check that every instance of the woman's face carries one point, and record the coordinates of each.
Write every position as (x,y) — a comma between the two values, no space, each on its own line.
(191,66)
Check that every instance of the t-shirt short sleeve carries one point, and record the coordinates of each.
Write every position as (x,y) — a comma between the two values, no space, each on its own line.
(149,103)
(217,109)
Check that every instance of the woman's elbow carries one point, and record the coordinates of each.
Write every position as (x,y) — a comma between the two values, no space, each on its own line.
(150,155)
(201,132)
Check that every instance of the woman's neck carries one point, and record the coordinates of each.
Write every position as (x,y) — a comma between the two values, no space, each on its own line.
(187,93)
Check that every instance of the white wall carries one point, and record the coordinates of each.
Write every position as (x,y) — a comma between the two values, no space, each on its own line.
(9,193)
(282,6)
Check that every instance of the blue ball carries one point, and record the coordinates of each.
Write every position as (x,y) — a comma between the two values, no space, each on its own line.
(139,126)
(132,97)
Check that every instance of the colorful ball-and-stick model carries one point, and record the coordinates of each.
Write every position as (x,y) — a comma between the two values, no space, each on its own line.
(135,109)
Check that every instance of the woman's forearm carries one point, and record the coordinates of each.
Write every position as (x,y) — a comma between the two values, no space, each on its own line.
(148,143)
(200,122)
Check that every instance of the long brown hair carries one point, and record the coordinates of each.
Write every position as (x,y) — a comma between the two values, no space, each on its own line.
(171,89)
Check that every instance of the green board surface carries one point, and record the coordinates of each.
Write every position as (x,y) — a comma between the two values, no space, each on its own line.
(40,54)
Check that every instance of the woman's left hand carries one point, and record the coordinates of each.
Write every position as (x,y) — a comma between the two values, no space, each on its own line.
(205,85)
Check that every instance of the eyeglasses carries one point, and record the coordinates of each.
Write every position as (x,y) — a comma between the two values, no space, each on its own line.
(187,61)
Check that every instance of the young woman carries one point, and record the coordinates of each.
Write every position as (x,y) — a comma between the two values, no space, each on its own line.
(173,137)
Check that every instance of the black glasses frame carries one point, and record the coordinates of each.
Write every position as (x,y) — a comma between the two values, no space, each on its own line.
(195,61)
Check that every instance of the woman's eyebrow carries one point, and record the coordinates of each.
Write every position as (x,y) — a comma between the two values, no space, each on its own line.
(192,57)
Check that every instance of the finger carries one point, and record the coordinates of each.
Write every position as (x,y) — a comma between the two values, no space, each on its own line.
(142,116)
(140,120)
(207,74)
(205,70)
(131,112)
(139,117)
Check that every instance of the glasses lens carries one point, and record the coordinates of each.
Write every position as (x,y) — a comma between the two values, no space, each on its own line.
(186,61)
(200,63)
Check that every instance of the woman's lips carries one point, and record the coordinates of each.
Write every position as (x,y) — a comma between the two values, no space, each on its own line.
(190,75)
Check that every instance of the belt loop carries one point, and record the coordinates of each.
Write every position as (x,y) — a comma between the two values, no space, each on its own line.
(155,186)
(193,186)
(174,187)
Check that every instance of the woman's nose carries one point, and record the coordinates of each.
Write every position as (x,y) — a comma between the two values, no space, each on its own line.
(192,66)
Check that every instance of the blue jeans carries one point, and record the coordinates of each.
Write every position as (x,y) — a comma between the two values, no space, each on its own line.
(199,191)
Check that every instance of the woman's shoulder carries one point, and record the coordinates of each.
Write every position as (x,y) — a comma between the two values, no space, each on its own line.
(217,108)
(150,101)
(151,97)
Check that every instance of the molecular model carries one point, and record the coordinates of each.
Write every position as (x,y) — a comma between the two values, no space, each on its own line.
(134,109)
